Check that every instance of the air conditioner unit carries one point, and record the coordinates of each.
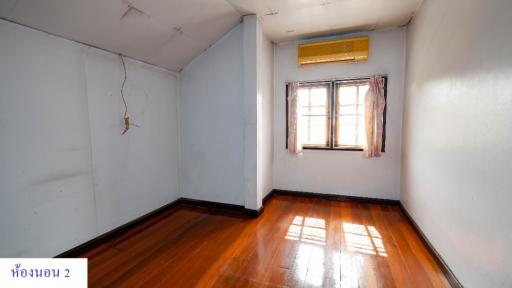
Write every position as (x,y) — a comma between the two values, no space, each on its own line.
(351,49)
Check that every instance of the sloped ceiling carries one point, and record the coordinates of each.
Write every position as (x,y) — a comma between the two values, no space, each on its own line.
(166,33)
(285,20)
(170,33)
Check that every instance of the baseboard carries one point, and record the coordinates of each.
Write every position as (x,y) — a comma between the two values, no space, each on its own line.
(334,197)
(89,245)
(448,273)
(267,197)
(253,212)
(221,206)
(103,238)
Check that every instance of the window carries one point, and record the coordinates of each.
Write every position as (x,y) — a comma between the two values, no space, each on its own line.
(349,114)
(314,106)
(333,114)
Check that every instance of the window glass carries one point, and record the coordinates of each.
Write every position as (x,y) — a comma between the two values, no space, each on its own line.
(350,114)
(314,111)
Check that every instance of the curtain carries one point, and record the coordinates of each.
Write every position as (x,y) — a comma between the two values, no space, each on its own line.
(374,103)
(294,119)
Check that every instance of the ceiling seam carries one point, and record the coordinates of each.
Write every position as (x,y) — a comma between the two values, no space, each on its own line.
(88,45)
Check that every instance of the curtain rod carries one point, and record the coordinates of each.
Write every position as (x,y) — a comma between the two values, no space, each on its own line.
(337,79)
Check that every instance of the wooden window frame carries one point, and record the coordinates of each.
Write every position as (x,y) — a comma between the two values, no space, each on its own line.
(328,113)
(332,113)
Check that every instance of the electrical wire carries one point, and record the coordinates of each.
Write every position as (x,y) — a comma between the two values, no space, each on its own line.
(126,118)
(122,88)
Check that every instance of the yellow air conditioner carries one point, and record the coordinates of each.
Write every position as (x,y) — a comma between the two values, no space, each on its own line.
(351,49)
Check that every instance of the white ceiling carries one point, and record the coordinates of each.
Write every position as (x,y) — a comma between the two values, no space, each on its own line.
(170,33)
(142,29)
(285,20)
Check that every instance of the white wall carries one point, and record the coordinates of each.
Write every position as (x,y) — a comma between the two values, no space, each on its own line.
(212,123)
(66,175)
(47,204)
(457,135)
(252,111)
(258,108)
(134,173)
(266,92)
(342,172)
(226,100)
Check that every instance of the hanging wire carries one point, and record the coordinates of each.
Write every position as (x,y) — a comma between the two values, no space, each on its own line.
(122,87)
(126,118)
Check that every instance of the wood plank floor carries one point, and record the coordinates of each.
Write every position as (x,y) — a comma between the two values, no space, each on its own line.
(296,242)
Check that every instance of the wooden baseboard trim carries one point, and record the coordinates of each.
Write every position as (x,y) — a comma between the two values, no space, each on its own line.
(333,197)
(211,204)
(267,197)
(89,245)
(221,206)
(253,213)
(448,273)
(103,238)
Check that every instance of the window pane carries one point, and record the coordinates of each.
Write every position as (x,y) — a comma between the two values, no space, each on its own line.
(361,135)
(362,92)
(347,135)
(314,110)
(350,129)
(314,105)
(347,95)
(348,110)
(314,130)
(319,96)
(348,120)
(303,94)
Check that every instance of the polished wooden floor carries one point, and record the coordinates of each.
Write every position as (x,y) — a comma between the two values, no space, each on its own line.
(296,242)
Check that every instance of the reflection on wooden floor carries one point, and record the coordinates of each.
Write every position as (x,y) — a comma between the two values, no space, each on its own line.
(296,242)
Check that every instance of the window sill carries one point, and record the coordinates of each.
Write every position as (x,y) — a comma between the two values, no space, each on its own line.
(333,149)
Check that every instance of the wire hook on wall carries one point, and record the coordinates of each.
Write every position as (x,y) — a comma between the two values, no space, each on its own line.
(126,117)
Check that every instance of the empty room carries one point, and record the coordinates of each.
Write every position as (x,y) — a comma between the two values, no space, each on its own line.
(255,143)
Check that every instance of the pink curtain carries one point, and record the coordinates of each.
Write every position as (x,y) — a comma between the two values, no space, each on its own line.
(374,103)
(294,137)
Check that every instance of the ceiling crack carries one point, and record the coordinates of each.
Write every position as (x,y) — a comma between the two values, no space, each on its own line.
(132,7)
